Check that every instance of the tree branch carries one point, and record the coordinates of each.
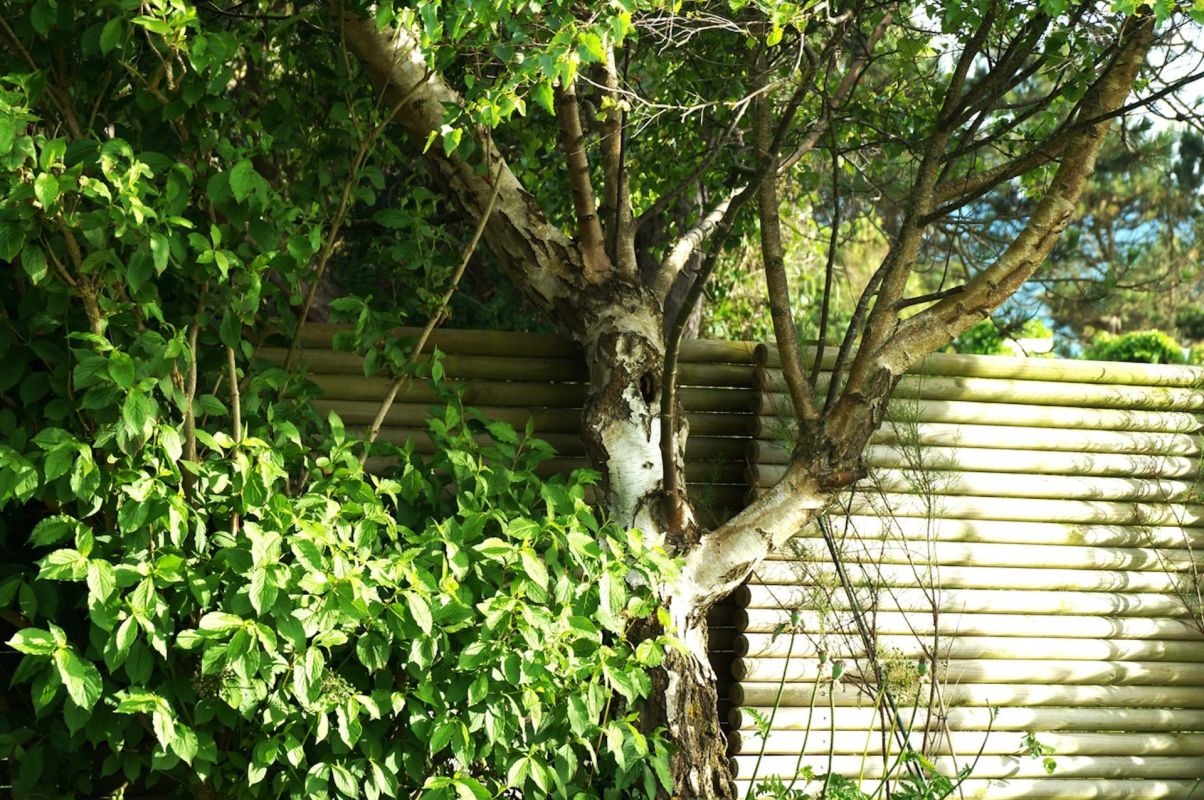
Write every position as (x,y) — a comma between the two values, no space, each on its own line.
(535,254)
(950,316)
(589,228)
(777,285)
(404,375)
(681,250)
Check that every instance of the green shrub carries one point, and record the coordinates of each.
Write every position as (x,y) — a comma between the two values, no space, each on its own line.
(983,339)
(1190,322)
(1150,347)
(457,627)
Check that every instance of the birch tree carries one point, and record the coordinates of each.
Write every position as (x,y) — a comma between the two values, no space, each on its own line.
(803,82)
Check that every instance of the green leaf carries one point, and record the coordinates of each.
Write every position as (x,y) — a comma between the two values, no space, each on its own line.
(110,35)
(219,622)
(160,251)
(542,92)
(242,180)
(8,132)
(263,590)
(33,261)
(11,239)
(81,678)
(121,369)
(46,189)
(136,413)
(420,611)
(534,568)
(34,642)
(51,530)
(102,579)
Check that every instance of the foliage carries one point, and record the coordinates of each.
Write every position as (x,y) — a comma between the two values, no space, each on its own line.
(202,591)
(983,339)
(1150,347)
(1190,323)
(458,627)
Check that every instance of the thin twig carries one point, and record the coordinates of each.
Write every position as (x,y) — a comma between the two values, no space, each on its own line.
(336,224)
(434,319)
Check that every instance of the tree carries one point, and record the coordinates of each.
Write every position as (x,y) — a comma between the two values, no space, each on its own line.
(958,140)
(664,129)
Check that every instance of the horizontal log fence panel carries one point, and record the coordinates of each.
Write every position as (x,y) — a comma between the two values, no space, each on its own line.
(1029,538)
(956,646)
(995,390)
(942,482)
(984,695)
(988,766)
(778,573)
(968,743)
(937,552)
(771,458)
(905,413)
(1101,512)
(768,620)
(969,601)
(1016,532)
(1028,671)
(1094,718)
(1024,369)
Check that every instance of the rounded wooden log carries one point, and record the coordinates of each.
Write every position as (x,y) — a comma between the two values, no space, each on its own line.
(1047,788)
(546,420)
(934,553)
(989,766)
(764,620)
(1009,671)
(516,366)
(956,646)
(504,343)
(738,424)
(499,393)
(513,366)
(977,719)
(1024,369)
(777,416)
(971,601)
(767,455)
(416,415)
(984,694)
(513,393)
(965,743)
(999,390)
(450,340)
(705,471)
(948,482)
(1095,512)
(985,530)
(785,573)
(564,444)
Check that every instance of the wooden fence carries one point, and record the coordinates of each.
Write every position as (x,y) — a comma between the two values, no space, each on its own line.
(1025,556)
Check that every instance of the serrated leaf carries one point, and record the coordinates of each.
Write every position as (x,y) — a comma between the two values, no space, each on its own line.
(242,180)
(420,611)
(46,189)
(34,642)
(80,677)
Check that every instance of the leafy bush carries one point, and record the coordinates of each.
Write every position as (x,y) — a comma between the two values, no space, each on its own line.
(983,339)
(1150,347)
(202,592)
(458,627)
(1190,323)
